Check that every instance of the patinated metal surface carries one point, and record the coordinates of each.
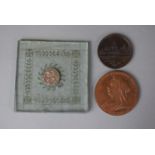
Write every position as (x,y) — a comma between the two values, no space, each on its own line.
(117,93)
(115,51)
(51,76)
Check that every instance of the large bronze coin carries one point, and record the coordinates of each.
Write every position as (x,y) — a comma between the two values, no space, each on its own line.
(115,51)
(117,93)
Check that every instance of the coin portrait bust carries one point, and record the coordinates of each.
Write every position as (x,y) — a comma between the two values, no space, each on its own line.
(118,91)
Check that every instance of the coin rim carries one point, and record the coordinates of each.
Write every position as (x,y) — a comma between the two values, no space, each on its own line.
(58,73)
(136,86)
(126,39)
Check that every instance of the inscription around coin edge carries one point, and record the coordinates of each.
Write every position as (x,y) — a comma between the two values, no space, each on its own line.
(120,109)
(112,50)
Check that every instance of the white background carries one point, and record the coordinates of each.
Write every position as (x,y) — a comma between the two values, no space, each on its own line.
(101,12)
(141,67)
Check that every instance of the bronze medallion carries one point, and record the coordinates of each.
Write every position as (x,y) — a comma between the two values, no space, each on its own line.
(117,93)
(51,76)
(115,51)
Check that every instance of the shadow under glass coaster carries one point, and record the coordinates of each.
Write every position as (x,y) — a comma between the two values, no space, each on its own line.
(52,76)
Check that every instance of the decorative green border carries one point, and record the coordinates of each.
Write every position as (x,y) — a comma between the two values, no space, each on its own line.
(28,76)
(75,78)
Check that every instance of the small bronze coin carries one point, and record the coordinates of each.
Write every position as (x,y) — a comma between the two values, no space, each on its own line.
(51,76)
(115,51)
(117,93)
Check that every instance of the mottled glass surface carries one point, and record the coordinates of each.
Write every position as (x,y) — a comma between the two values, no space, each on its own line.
(52,76)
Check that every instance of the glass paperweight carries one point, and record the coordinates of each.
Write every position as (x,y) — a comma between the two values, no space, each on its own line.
(52,76)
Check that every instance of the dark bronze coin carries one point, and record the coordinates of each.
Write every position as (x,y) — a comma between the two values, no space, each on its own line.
(115,51)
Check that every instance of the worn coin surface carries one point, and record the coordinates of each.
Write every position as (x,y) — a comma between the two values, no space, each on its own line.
(115,50)
(51,76)
(117,93)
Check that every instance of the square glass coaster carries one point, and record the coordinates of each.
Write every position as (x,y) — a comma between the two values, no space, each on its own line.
(52,76)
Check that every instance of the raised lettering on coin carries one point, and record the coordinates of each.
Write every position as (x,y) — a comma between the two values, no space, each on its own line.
(115,51)
(117,93)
